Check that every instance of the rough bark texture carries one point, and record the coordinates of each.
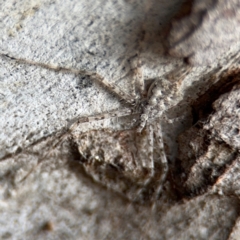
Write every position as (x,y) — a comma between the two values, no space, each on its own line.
(45,190)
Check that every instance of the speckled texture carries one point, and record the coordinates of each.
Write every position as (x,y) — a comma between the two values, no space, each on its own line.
(36,102)
(44,190)
(206,42)
(42,101)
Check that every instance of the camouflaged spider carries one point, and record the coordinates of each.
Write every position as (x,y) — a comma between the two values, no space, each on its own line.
(129,157)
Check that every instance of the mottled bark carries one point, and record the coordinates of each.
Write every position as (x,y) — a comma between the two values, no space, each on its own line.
(66,63)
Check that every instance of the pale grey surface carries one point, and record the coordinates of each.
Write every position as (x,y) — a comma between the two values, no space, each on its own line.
(99,36)
(104,36)
(217,30)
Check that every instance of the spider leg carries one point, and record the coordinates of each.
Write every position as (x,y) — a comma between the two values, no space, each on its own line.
(138,78)
(163,159)
(75,123)
(149,162)
(92,76)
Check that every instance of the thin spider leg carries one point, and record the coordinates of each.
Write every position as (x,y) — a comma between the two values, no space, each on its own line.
(138,77)
(163,159)
(135,72)
(150,154)
(102,116)
(149,149)
(67,133)
(119,113)
(102,81)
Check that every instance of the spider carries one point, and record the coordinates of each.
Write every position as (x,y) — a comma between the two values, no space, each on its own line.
(128,155)
(124,150)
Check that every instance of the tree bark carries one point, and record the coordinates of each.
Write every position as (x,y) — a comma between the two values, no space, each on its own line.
(59,62)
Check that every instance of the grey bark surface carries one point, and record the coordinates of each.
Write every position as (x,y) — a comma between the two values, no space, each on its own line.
(54,56)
